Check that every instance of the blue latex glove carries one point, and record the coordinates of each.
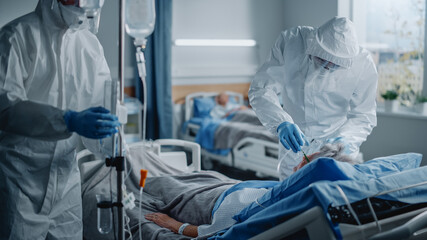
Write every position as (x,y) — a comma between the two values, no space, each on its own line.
(291,136)
(95,122)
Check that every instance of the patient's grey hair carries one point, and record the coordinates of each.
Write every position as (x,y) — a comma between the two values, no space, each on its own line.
(335,151)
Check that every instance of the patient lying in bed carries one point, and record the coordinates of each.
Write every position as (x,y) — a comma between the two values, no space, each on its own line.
(230,202)
(224,107)
(211,202)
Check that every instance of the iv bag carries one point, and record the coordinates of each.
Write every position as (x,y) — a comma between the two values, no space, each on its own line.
(140,17)
(91,5)
(92,11)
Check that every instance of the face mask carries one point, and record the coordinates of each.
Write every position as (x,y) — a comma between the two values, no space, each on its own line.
(316,71)
(73,16)
(91,11)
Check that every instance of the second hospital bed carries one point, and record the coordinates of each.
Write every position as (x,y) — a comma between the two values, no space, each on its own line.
(239,140)
(300,220)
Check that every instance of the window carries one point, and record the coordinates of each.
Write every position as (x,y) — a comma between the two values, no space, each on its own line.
(393,31)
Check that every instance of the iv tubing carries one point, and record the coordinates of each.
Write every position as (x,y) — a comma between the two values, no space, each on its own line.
(140,212)
(140,59)
(144,174)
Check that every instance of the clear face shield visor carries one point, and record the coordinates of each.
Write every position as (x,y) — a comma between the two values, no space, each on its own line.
(325,64)
(92,10)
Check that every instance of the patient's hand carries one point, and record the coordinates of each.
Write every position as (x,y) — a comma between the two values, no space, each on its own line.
(304,161)
(164,220)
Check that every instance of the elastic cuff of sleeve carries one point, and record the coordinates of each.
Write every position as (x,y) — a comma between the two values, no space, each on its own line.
(67,116)
(181,229)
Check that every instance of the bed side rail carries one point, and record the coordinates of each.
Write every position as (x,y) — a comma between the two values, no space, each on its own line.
(191,132)
(257,155)
(250,140)
(407,230)
(195,166)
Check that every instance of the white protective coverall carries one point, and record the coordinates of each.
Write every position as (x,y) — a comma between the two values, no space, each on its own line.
(49,62)
(324,104)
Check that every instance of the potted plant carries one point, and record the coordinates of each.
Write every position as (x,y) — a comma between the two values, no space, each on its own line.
(390,100)
(421,104)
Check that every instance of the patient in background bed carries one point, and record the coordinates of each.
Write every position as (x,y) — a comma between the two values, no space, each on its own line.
(243,194)
(224,107)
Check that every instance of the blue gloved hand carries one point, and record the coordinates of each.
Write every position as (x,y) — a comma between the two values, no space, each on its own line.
(291,136)
(95,122)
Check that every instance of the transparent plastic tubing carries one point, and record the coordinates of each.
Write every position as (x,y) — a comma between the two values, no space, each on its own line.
(140,60)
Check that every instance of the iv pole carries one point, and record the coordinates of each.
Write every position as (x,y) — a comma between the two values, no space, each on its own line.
(120,209)
(119,161)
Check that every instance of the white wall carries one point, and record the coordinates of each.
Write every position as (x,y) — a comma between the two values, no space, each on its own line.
(222,19)
(107,35)
(309,12)
(397,133)
(9,10)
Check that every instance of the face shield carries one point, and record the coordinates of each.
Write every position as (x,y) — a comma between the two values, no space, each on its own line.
(325,64)
(92,9)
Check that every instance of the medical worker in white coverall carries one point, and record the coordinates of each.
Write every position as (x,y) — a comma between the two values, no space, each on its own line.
(52,75)
(327,84)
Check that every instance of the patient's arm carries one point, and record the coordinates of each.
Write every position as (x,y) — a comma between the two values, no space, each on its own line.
(243,107)
(165,221)
(304,161)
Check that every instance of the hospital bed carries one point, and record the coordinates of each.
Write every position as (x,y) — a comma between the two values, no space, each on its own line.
(258,153)
(313,223)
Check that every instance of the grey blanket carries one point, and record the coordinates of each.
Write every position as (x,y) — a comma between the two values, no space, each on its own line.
(243,124)
(186,197)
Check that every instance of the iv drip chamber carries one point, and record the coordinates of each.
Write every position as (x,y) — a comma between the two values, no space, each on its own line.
(104,214)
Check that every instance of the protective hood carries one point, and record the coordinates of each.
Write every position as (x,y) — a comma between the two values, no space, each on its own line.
(335,41)
(59,16)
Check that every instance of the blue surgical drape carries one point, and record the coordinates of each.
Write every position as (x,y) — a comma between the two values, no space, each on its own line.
(158,65)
